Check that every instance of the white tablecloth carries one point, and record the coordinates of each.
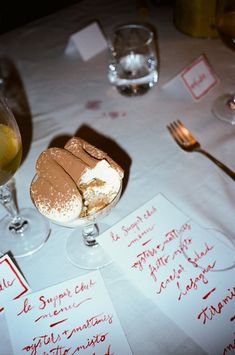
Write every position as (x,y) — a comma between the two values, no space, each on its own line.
(66,96)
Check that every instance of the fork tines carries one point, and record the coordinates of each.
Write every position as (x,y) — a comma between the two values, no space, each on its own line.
(182,136)
(176,129)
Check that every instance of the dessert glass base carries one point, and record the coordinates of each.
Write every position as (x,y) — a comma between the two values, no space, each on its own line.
(28,238)
(84,251)
(82,247)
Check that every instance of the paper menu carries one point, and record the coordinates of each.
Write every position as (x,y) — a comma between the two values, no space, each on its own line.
(74,317)
(182,267)
(12,283)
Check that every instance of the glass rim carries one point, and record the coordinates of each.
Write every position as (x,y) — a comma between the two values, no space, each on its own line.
(135,26)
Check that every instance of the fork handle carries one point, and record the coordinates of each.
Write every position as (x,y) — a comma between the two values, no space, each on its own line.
(228,171)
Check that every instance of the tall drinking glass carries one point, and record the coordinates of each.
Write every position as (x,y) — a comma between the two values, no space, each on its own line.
(22,233)
(224,106)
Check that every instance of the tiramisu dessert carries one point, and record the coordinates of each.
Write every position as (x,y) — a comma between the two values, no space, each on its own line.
(74,182)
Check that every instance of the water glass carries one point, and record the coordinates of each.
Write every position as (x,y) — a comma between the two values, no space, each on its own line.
(132,66)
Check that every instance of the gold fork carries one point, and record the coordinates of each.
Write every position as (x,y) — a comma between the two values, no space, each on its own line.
(188,142)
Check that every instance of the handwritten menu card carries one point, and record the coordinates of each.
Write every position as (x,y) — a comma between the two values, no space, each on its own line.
(12,283)
(74,317)
(184,268)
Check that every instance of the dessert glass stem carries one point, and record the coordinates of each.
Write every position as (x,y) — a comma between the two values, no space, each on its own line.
(17,224)
(89,233)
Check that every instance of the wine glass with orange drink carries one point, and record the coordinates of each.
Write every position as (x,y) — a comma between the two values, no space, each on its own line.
(21,233)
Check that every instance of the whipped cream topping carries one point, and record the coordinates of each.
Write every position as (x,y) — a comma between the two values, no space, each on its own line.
(105,173)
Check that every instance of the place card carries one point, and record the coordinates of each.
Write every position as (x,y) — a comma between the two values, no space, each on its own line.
(182,267)
(12,283)
(197,80)
(88,42)
(73,317)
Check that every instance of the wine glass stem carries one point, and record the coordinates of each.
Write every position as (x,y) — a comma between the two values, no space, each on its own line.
(89,234)
(17,224)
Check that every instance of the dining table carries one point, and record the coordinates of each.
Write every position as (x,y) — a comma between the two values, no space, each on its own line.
(55,94)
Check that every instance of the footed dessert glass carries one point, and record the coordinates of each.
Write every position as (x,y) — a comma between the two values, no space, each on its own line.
(82,247)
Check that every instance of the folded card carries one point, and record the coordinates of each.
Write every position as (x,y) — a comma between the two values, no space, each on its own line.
(12,283)
(88,42)
(195,81)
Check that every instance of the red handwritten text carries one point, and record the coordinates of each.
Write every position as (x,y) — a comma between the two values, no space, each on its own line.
(115,237)
(84,286)
(45,340)
(144,256)
(160,262)
(197,82)
(193,282)
(175,234)
(182,248)
(63,309)
(96,339)
(176,274)
(133,227)
(4,284)
(149,212)
(208,313)
(200,255)
(141,235)
(26,307)
(229,347)
(209,293)
(42,340)
(91,322)
(54,301)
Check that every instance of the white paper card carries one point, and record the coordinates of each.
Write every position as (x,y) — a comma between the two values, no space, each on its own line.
(74,317)
(199,78)
(182,267)
(12,283)
(88,42)
(195,81)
